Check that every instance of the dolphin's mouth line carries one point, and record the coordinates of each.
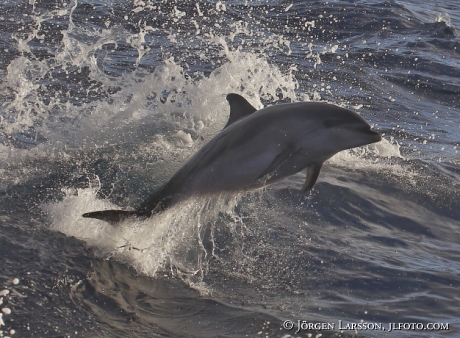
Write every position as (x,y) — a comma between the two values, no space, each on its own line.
(371,132)
(366,130)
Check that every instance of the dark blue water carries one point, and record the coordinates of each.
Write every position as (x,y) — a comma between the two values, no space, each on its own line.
(102,102)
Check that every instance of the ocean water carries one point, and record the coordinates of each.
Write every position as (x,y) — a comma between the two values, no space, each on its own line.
(102,101)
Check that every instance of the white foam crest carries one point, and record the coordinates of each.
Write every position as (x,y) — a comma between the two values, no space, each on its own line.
(372,156)
(21,73)
(383,158)
(445,18)
(171,238)
(384,148)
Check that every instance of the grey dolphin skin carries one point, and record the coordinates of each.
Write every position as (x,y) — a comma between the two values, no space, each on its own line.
(257,148)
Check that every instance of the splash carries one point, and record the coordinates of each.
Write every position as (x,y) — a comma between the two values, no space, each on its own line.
(80,95)
(171,240)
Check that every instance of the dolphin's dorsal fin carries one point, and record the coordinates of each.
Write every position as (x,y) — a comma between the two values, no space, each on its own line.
(312,176)
(239,108)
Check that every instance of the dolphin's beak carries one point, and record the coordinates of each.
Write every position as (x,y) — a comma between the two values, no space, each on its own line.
(370,135)
(374,136)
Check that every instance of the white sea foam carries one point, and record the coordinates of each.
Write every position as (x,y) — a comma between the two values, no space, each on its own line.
(138,101)
(171,238)
(367,157)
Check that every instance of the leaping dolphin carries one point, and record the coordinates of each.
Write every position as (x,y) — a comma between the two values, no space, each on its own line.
(257,148)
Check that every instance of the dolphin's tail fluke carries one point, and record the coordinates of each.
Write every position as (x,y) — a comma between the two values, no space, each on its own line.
(113,216)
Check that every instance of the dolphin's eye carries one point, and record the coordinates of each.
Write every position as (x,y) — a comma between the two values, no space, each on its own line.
(332,123)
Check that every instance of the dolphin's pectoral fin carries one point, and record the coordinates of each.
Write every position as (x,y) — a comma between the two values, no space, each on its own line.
(312,176)
(239,108)
(112,216)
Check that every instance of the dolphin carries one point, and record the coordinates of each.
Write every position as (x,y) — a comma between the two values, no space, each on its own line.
(255,149)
